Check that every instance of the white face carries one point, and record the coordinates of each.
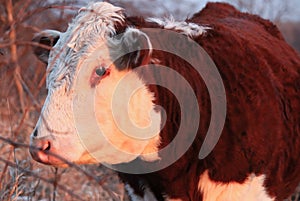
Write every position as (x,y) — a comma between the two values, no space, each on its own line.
(90,118)
(87,123)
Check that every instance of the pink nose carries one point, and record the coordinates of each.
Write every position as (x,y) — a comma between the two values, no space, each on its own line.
(40,149)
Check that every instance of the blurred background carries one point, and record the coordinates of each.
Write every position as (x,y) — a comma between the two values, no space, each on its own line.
(22,90)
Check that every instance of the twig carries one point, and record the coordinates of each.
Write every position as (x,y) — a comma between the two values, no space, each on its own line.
(99,181)
(2,19)
(21,122)
(55,182)
(76,167)
(39,10)
(15,186)
(22,11)
(13,151)
(30,173)
(10,152)
(13,52)
(25,43)
(4,170)
(25,87)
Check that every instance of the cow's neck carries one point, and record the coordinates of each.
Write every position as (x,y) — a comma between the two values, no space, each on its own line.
(172,183)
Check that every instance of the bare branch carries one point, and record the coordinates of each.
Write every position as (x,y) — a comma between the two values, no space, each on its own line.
(13,52)
(31,173)
(99,181)
(2,19)
(25,43)
(42,9)
(78,168)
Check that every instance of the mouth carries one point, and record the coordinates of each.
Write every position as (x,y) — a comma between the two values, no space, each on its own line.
(47,158)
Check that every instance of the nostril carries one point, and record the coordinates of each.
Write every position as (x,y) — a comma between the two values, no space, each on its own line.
(41,148)
(35,133)
(46,146)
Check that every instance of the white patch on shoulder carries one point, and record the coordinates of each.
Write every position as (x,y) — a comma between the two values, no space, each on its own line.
(188,28)
(148,195)
(131,193)
(251,190)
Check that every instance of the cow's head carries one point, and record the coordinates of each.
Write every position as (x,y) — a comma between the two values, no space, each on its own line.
(92,96)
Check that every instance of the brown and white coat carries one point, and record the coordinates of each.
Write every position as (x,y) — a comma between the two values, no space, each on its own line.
(258,154)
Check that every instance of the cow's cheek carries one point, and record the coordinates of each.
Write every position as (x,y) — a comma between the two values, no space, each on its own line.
(71,148)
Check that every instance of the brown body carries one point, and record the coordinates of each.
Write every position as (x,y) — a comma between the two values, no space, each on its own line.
(261,135)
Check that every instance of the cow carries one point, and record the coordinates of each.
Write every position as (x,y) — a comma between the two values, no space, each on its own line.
(113,99)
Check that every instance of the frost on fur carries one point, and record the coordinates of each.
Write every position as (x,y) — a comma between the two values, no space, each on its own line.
(188,28)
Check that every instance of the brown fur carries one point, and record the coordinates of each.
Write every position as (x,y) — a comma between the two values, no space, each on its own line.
(261,74)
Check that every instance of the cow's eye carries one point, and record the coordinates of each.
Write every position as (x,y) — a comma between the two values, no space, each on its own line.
(101,71)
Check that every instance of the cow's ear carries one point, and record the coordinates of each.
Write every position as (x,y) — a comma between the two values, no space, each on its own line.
(45,38)
(135,49)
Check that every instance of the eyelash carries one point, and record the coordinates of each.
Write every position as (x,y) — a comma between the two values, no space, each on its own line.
(98,74)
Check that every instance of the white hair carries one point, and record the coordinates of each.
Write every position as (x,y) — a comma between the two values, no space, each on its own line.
(87,31)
